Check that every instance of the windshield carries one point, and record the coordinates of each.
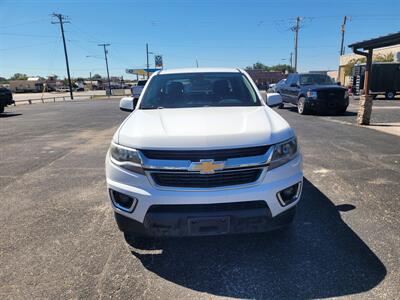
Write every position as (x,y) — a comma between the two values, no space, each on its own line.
(199,90)
(315,79)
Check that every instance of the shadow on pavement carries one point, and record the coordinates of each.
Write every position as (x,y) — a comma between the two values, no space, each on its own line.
(318,257)
(8,115)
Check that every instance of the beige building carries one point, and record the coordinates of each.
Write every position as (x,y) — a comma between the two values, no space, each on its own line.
(32,84)
(345,59)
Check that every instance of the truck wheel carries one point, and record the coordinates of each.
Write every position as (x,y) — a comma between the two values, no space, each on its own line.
(281,106)
(302,108)
(1,109)
(390,95)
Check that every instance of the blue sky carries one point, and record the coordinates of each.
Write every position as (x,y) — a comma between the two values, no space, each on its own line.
(216,33)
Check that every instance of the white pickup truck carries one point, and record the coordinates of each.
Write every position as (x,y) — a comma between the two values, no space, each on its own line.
(203,154)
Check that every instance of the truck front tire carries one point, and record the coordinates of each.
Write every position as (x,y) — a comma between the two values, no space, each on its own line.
(302,108)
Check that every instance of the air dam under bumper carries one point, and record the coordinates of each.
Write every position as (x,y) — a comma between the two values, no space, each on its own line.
(180,221)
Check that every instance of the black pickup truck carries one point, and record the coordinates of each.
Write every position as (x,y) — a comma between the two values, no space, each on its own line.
(6,98)
(313,92)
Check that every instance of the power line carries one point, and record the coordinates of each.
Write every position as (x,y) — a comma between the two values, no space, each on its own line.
(61,20)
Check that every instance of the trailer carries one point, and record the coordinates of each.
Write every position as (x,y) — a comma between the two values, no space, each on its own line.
(384,80)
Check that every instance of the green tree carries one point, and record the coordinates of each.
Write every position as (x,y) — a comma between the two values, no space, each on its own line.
(19,76)
(348,69)
(96,76)
(275,68)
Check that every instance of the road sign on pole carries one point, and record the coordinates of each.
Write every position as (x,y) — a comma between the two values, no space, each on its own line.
(158,61)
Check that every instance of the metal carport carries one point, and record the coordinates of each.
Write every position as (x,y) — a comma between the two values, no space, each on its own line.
(368,46)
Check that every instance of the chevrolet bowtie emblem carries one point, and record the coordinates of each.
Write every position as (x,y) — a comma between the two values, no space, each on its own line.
(207,166)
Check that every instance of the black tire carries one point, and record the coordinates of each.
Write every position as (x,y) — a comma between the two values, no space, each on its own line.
(302,108)
(281,106)
(1,109)
(390,95)
(374,96)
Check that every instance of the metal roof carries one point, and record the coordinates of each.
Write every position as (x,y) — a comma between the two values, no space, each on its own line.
(379,42)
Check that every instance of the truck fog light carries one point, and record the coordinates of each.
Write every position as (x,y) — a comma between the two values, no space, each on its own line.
(122,201)
(289,194)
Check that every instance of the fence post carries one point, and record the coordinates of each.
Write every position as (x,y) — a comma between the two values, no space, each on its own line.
(30,101)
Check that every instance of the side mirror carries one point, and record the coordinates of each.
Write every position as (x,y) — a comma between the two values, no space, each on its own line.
(127,104)
(274,99)
(294,85)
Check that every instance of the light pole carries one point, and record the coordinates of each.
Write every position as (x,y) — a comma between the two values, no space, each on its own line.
(108,73)
(147,59)
(90,73)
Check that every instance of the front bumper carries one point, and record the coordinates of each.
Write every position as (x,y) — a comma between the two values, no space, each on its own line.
(175,223)
(179,224)
(327,105)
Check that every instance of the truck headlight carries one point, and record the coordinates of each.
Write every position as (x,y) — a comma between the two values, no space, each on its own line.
(283,152)
(126,158)
(312,94)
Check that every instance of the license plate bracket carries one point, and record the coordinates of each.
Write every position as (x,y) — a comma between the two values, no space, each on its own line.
(209,225)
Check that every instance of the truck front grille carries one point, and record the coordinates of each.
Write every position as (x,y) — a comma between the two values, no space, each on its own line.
(197,180)
(330,95)
(196,155)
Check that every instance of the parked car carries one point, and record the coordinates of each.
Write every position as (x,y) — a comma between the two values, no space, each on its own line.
(137,89)
(202,154)
(62,89)
(6,98)
(314,93)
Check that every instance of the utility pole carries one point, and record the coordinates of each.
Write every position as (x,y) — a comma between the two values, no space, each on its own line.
(343,29)
(61,20)
(291,60)
(147,58)
(90,78)
(296,29)
(108,73)
(197,63)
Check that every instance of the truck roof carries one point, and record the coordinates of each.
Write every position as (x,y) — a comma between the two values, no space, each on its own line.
(199,70)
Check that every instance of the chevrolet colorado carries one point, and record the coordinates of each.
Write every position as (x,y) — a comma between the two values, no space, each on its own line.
(202,154)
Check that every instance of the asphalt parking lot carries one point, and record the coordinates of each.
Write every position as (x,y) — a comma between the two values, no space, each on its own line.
(59,239)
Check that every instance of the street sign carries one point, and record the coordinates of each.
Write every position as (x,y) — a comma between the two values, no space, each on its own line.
(158,61)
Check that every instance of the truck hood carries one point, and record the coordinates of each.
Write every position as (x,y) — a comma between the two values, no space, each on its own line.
(322,87)
(203,128)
